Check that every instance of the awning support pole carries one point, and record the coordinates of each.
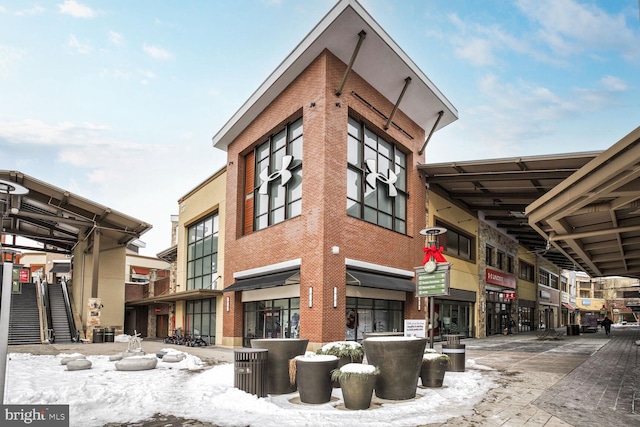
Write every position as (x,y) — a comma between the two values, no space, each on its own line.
(362,34)
(407,81)
(440,114)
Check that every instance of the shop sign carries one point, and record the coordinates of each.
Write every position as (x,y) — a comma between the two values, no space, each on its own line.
(24,276)
(509,296)
(435,283)
(415,328)
(545,295)
(499,278)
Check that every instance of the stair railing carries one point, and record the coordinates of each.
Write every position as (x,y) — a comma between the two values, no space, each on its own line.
(75,336)
(44,310)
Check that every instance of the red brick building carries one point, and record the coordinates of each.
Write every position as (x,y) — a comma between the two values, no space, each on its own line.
(324,202)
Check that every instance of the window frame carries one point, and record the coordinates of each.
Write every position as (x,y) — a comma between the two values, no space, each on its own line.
(196,270)
(374,205)
(459,235)
(281,203)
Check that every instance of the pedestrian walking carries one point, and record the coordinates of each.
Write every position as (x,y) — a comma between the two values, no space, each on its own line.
(510,325)
(606,322)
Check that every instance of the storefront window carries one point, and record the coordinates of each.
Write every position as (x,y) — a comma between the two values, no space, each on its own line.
(364,315)
(271,319)
(201,319)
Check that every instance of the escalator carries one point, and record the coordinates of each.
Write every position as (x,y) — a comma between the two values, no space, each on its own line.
(59,315)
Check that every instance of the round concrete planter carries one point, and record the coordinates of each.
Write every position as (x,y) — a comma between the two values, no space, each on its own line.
(313,378)
(357,382)
(434,367)
(399,360)
(280,351)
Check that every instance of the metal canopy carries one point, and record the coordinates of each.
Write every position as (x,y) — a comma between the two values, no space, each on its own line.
(380,61)
(593,217)
(57,218)
(499,190)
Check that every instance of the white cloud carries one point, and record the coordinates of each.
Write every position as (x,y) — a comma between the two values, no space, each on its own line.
(569,28)
(35,10)
(116,38)
(3,10)
(8,58)
(614,84)
(482,45)
(157,52)
(78,46)
(477,51)
(75,9)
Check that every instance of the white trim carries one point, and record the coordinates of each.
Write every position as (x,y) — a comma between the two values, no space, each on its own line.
(375,293)
(279,292)
(378,268)
(268,269)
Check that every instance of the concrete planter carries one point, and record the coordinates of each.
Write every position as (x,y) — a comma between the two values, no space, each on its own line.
(400,361)
(280,351)
(357,382)
(433,370)
(313,378)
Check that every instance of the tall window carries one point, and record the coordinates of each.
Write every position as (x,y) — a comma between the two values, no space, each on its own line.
(273,180)
(376,179)
(202,253)
(526,271)
(201,319)
(489,256)
(456,243)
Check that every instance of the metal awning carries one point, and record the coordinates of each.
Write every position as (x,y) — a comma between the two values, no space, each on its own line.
(290,277)
(568,306)
(193,294)
(499,191)
(380,281)
(593,217)
(63,267)
(57,218)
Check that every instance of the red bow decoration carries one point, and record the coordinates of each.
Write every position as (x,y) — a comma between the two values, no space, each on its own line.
(434,252)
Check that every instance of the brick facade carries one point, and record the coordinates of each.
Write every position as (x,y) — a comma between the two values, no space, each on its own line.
(323,223)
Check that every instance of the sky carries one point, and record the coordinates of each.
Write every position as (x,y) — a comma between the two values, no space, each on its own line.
(118,101)
(192,390)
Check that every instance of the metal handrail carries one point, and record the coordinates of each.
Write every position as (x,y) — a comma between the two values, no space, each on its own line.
(67,306)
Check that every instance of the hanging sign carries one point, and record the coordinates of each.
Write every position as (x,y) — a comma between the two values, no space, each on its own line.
(434,283)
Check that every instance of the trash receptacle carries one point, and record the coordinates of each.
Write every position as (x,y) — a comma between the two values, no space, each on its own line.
(250,370)
(456,353)
(98,335)
(109,334)
(573,330)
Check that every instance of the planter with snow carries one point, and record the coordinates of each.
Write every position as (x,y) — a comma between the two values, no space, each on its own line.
(312,375)
(399,360)
(357,382)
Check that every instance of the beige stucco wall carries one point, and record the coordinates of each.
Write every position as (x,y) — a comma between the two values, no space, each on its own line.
(207,198)
(111,278)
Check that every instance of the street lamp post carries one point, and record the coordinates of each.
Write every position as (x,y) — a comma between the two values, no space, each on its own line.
(431,233)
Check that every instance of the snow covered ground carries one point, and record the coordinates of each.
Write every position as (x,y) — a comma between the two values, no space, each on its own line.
(191,390)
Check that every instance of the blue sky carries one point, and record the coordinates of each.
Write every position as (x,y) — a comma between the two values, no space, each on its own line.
(117,101)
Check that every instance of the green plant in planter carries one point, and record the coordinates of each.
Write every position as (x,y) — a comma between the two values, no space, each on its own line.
(357,382)
(343,349)
(434,367)
(356,371)
(432,355)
